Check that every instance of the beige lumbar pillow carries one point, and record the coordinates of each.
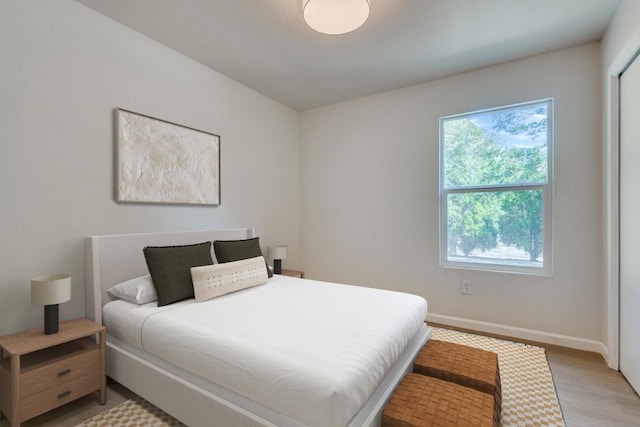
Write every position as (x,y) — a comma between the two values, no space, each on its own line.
(211,281)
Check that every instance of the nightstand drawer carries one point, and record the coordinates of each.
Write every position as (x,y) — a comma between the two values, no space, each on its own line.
(63,364)
(39,403)
(39,372)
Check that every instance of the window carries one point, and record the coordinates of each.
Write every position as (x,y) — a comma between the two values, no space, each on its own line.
(495,189)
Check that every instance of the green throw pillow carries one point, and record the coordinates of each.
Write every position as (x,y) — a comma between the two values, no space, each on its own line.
(236,250)
(170,269)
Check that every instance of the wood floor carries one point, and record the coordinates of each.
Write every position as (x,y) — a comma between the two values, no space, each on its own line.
(590,394)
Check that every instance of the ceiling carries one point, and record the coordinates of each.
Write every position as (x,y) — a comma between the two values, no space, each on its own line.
(265,44)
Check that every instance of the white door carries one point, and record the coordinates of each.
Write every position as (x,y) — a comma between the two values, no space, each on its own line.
(630,224)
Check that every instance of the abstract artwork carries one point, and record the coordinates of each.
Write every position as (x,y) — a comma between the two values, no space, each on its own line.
(162,162)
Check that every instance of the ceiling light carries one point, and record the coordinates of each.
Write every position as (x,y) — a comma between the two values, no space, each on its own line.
(335,16)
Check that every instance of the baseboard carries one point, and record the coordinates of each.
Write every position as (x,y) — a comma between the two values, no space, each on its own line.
(521,333)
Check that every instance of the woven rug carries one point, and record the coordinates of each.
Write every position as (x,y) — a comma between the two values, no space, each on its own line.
(528,395)
(135,412)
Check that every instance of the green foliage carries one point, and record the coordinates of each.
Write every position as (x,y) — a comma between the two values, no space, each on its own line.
(469,155)
(472,222)
(521,222)
(474,157)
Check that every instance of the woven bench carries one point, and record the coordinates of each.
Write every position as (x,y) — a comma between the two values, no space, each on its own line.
(421,401)
(463,365)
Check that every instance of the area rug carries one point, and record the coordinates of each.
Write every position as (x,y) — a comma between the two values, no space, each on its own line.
(135,412)
(528,395)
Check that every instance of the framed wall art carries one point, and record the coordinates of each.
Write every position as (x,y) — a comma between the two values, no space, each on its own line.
(163,162)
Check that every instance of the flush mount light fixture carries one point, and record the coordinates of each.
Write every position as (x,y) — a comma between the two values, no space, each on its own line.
(335,16)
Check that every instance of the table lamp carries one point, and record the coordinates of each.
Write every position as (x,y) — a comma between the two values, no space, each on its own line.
(50,290)
(277,254)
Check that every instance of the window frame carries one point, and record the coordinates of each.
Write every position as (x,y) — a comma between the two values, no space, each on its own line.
(547,199)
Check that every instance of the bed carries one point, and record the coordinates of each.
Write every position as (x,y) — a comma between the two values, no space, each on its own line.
(265,364)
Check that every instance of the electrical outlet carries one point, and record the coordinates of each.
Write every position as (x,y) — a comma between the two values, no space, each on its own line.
(466,287)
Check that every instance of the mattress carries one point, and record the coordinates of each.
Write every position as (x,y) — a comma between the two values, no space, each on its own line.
(312,351)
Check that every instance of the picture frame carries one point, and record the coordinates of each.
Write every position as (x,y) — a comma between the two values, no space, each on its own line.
(158,161)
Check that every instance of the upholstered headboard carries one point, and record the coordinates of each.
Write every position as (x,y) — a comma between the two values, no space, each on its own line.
(112,259)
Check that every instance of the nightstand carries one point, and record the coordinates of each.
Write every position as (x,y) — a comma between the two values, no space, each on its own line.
(43,372)
(293,273)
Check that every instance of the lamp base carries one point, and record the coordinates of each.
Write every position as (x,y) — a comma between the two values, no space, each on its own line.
(277,266)
(51,321)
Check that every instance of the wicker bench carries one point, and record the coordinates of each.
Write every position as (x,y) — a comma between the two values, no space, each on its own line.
(463,365)
(421,401)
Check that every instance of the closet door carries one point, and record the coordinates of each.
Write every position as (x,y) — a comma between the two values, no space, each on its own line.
(630,224)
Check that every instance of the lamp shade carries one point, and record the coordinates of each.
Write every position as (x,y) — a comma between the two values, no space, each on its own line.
(50,289)
(277,252)
(335,16)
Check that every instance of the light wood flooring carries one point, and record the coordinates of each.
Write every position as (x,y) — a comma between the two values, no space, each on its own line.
(591,395)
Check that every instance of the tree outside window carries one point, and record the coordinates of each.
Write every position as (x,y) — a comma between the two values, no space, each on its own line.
(495,188)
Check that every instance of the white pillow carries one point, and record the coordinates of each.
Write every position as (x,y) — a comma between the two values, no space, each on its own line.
(138,291)
(212,281)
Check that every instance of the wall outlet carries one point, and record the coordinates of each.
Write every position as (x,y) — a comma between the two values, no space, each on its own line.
(466,287)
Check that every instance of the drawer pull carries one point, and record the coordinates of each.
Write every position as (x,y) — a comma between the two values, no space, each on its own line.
(65,372)
(64,394)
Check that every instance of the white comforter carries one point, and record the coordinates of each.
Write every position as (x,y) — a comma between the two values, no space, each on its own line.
(313,351)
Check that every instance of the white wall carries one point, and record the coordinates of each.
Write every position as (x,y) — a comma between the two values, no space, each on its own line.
(619,44)
(370,197)
(63,69)
(621,30)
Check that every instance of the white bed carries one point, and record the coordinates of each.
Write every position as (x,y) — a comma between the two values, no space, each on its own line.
(262,367)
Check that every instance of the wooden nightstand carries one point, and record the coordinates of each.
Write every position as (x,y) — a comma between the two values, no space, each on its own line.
(293,273)
(43,372)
